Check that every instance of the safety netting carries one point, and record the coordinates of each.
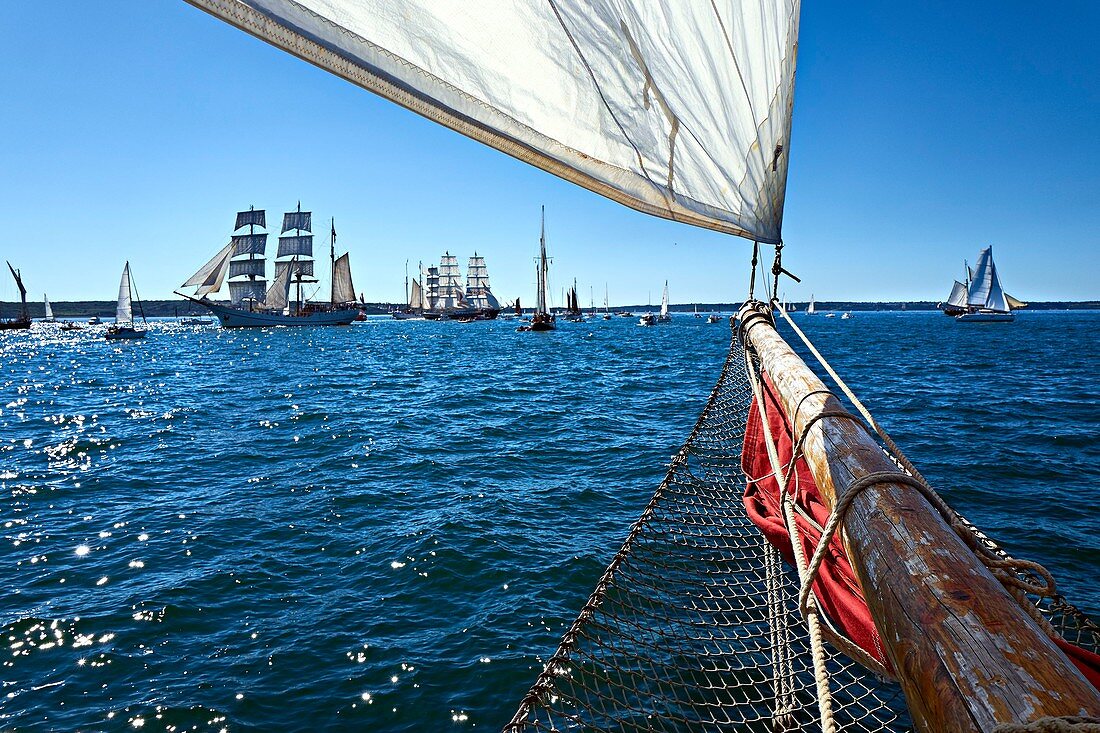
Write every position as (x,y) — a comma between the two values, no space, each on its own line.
(695,624)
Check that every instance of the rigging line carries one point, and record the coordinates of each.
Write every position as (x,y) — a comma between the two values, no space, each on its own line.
(810,610)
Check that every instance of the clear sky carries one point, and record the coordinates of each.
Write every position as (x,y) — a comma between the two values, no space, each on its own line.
(135,129)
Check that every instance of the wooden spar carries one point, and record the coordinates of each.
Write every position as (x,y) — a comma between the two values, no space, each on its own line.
(966,655)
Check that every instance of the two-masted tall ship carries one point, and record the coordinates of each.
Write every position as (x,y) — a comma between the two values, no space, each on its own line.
(23,319)
(254,303)
(981,299)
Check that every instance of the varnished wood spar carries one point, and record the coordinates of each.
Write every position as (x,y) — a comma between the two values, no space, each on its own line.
(966,655)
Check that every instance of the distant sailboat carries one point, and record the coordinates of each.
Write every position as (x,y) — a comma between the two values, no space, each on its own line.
(573,306)
(811,309)
(985,300)
(124,327)
(606,309)
(414,296)
(663,316)
(542,319)
(49,310)
(23,320)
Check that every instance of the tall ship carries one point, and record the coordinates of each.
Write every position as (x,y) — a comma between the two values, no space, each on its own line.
(443,297)
(981,298)
(22,320)
(793,570)
(253,303)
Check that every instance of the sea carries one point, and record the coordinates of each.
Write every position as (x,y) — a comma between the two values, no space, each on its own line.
(388,527)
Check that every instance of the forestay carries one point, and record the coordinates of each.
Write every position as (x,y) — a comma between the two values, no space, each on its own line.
(680,110)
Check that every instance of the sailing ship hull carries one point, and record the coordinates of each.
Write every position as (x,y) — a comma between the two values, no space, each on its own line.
(979,317)
(123,333)
(237,318)
(16,325)
(407,316)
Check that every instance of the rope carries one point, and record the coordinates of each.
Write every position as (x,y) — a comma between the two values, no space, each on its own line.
(809,610)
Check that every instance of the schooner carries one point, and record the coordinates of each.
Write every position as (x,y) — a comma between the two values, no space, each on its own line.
(793,571)
(252,302)
(23,320)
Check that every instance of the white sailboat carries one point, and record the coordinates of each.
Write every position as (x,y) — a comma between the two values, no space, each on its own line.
(663,316)
(124,327)
(985,300)
(49,310)
(811,309)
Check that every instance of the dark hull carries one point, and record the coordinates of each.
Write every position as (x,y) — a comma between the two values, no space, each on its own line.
(16,325)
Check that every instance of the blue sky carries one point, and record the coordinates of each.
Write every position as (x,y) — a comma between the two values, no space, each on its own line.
(135,129)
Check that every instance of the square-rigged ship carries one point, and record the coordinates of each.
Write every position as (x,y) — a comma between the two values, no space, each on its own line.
(252,303)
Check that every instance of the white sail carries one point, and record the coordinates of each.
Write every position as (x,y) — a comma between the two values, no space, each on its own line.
(478,293)
(278,295)
(49,308)
(342,289)
(958,295)
(252,267)
(124,312)
(252,217)
(676,109)
(298,268)
(249,244)
(300,245)
(210,276)
(542,294)
(450,283)
(811,308)
(244,290)
(664,301)
(985,289)
(416,298)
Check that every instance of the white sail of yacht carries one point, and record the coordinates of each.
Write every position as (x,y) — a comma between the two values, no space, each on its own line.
(663,316)
(49,309)
(986,300)
(958,295)
(124,327)
(811,308)
(416,300)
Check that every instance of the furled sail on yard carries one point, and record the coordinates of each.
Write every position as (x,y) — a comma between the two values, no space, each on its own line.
(681,110)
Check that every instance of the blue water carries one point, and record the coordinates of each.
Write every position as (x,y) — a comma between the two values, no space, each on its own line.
(386,527)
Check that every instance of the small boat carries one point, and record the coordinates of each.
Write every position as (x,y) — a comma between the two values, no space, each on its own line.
(95,321)
(663,316)
(124,328)
(846,315)
(193,321)
(542,319)
(70,326)
(647,319)
(625,314)
(573,312)
(713,318)
(49,310)
(697,315)
(23,320)
(986,300)
(830,315)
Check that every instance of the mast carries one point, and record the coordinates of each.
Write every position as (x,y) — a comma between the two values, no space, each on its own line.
(24,314)
(407,284)
(296,250)
(246,262)
(543,289)
(332,258)
(605,309)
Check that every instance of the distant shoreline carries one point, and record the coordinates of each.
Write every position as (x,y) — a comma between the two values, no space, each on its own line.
(166,308)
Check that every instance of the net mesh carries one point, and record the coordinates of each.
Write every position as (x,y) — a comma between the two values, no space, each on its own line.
(694,626)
